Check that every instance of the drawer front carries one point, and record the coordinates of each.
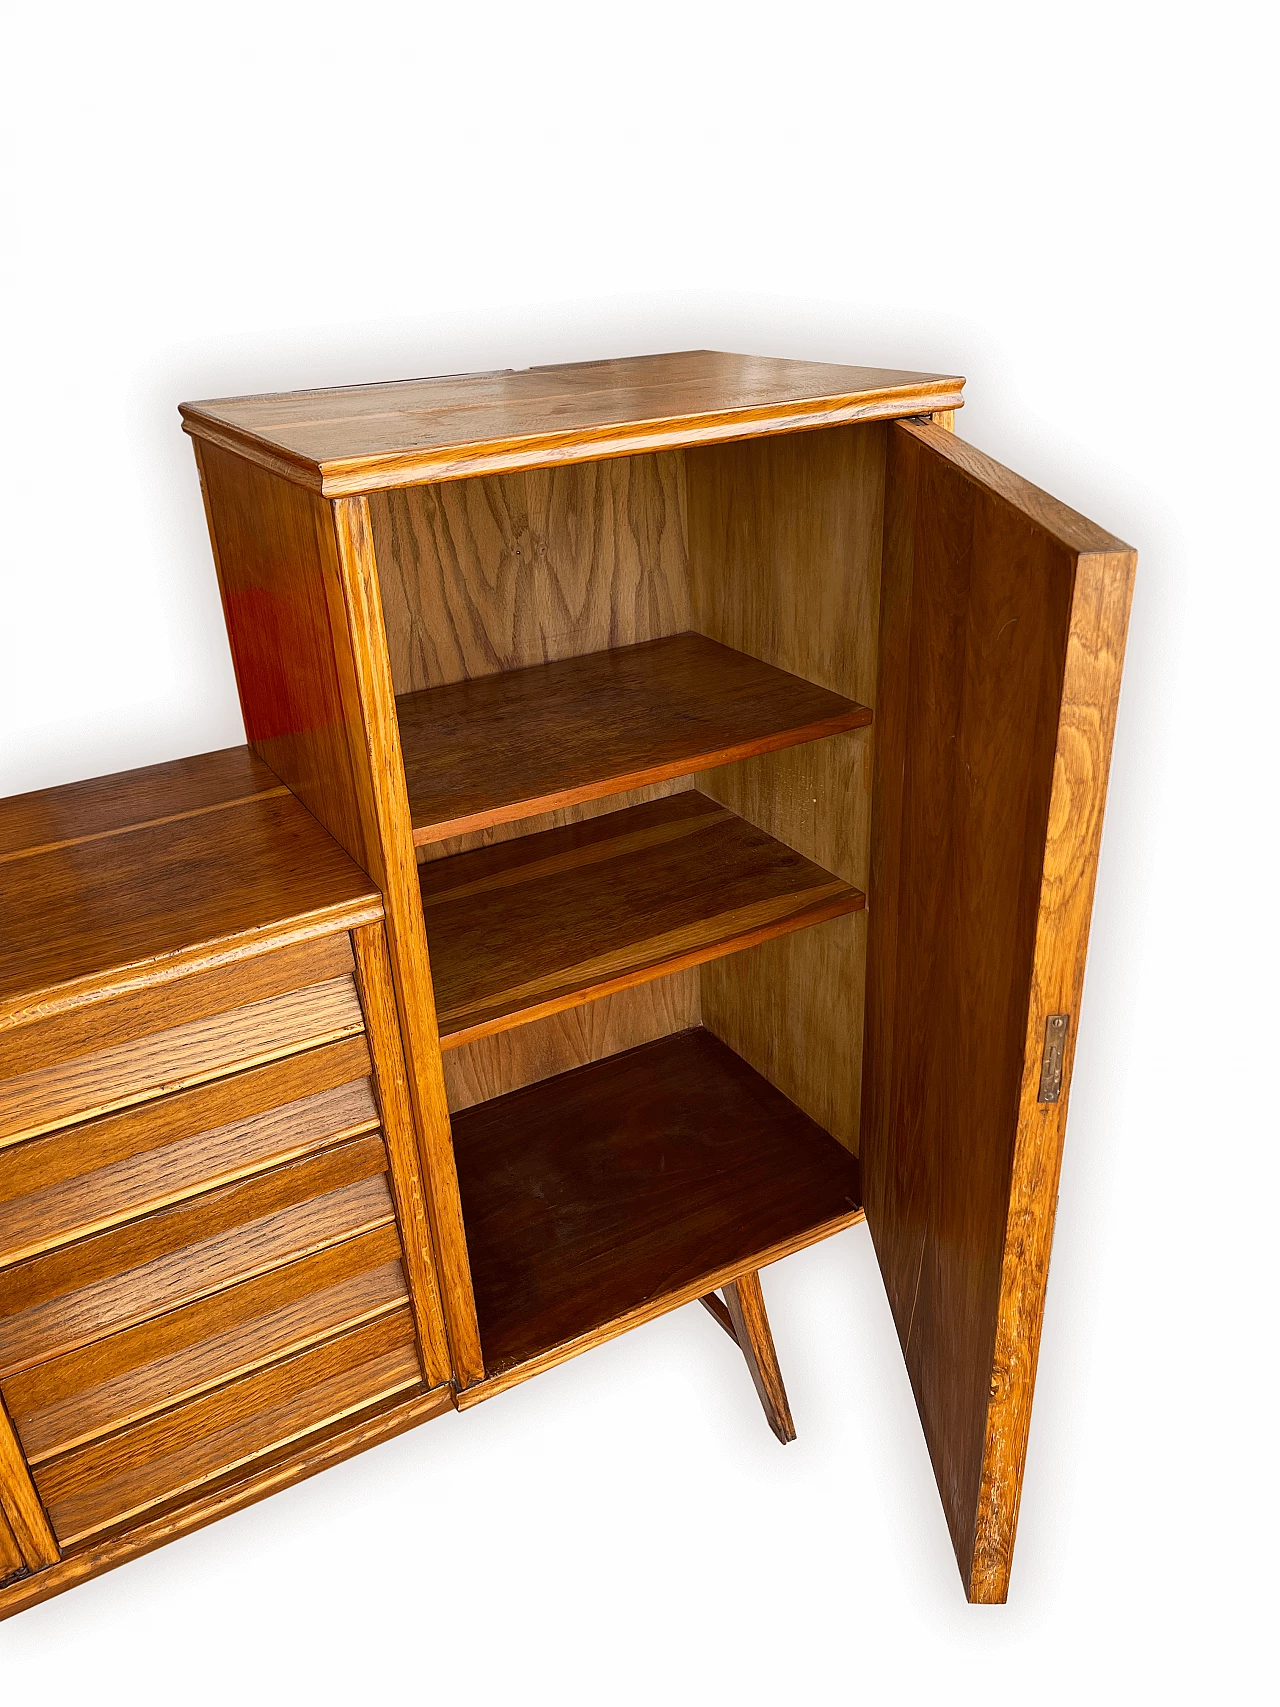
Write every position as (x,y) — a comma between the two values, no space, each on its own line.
(87,1178)
(128,1376)
(169,1457)
(129,1049)
(53,1303)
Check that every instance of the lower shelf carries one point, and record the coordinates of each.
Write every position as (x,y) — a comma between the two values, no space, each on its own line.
(600,1198)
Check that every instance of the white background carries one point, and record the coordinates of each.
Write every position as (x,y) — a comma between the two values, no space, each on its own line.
(1074,207)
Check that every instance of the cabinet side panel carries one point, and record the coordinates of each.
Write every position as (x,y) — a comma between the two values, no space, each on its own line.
(978,599)
(784,553)
(499,571)
(300,589)
(277,568)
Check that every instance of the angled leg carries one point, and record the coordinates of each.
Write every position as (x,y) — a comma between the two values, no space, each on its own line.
(743,1318)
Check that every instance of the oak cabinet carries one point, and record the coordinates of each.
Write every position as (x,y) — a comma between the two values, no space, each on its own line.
(727,742)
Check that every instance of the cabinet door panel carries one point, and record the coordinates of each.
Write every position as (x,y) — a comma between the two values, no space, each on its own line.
(1002,637)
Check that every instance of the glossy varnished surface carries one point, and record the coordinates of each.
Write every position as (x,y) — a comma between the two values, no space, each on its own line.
(369,437)
(121,876)
(507,746)
(522,929)
(1002,633)
(631,1184)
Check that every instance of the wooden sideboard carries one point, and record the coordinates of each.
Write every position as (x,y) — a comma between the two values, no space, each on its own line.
(725,743)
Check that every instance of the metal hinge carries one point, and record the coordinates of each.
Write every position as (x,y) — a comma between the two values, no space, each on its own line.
(1055,1043)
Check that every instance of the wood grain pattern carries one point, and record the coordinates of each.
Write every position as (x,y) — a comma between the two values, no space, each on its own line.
(101,806)
(12,1563)
(630,1185)
(484,575)
(547,922)
(129,1375)
(370,437)
(378,997)
(492,1066)
(101,1485)
(986,758)
(54,1303)
(107,907)
(21,1509)
(784,548)
(744,1302)
(1082,758)
(508,746)
(92,1084)
(127,1015)
(316,1452)
(406,937)
(77,1182)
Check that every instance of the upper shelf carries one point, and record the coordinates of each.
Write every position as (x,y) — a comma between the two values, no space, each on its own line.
(365,438)
(509,746)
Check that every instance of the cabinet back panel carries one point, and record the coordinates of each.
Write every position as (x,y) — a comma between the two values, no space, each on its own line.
(492,573)
(491,1066)
(784,557)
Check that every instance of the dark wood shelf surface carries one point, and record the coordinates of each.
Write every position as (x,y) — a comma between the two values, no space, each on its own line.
(546,922)
(609,1194)
(484,752)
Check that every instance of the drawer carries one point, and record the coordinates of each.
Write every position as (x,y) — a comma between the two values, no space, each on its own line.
(125,1050)
(71,1296)
(118,1381)
(84,1179)
(169,1457)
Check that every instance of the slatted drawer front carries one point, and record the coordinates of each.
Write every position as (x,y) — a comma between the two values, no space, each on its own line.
(155,1463)
(78,1181)
(127,1376)
(123,1051)
(51,1304)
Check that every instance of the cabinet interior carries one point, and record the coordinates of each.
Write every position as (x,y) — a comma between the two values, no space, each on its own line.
(770,547)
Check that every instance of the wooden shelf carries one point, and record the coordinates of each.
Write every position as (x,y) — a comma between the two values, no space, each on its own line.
(601,1198)
(508,746)
(532,926)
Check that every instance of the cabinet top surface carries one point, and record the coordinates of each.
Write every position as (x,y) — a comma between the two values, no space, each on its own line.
(107,882)
(370,437)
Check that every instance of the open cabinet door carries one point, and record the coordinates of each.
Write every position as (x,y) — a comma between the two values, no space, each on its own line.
(1003,618)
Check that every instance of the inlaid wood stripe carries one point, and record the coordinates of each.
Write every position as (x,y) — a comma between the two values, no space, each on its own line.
(49,1097)
(704,940)
(253,1343)
(123,1190)
(577,858)
(112,1481)
(143,824)
(63,1315)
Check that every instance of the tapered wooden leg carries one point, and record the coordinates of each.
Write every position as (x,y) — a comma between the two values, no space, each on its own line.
(743,1318)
